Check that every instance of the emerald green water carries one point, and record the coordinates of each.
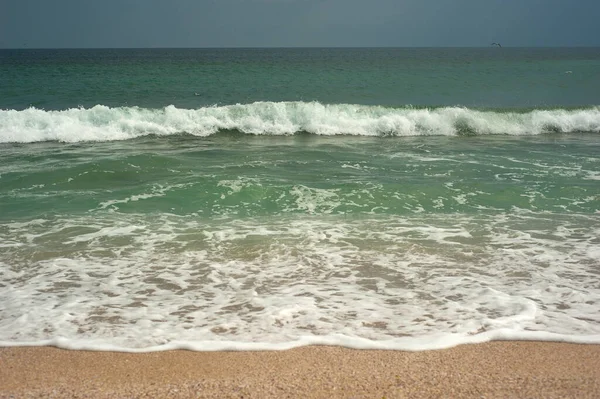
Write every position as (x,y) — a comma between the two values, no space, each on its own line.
(236,176)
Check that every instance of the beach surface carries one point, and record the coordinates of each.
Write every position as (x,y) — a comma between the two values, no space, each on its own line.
(490,370)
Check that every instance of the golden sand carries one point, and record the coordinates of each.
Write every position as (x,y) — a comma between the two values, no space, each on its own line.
(491,370)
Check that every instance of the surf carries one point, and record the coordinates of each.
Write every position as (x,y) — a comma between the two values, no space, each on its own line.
(103,123)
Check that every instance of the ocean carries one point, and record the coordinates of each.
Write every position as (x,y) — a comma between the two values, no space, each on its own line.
(247,199)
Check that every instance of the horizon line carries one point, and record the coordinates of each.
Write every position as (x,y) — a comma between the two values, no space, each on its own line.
(286,47)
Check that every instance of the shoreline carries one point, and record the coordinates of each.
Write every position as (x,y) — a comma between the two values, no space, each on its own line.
(498,369)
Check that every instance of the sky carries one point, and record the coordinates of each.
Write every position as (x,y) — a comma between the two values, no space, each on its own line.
(297,23)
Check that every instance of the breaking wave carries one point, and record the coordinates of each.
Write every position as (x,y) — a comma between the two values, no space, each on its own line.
(102,123)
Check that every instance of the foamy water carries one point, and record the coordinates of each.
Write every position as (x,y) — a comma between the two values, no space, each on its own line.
(264,243)
(102,123)
(140,283)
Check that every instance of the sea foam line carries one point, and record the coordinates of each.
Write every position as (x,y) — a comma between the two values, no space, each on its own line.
(102,123)
(440,341)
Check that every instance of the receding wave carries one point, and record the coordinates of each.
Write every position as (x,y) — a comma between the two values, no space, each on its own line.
(102,123)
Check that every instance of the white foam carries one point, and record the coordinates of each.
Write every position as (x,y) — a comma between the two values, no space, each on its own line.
(101,123)
(312,199)
(434,342)
(146,283)
(156,191)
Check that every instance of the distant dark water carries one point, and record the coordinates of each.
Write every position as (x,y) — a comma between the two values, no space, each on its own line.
(192,78)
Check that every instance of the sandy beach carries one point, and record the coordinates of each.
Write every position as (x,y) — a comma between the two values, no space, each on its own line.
(491,370)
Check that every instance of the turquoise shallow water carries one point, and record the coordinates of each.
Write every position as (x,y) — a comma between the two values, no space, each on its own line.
(268,198)
(231,175)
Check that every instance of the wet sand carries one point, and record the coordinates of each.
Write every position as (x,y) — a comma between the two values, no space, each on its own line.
(491,370)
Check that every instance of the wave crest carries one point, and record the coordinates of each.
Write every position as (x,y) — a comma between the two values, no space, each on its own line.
(102,123)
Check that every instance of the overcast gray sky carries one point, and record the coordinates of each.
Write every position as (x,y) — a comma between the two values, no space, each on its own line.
(289,23)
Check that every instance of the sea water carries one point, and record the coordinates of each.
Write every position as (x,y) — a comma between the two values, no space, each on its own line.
(214,199)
